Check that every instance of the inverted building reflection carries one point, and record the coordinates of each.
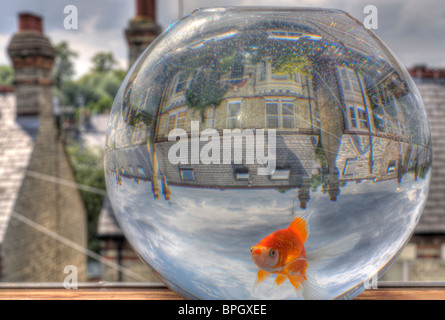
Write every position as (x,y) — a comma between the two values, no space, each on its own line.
(341,113)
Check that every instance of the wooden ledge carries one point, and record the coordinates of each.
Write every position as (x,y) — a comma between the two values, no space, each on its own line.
(405,291)
(157,291)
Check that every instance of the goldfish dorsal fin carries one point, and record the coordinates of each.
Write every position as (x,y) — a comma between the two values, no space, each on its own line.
(300,227)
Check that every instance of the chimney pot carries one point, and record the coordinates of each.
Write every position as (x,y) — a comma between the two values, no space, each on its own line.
(146,8)
(30,22)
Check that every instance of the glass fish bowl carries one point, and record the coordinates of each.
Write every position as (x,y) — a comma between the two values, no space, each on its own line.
(268,153)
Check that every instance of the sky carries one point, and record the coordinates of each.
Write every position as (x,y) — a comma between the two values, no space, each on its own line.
(413,30)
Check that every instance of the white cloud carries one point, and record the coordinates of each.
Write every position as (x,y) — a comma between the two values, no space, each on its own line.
(87,42)
(412,29)
(4,41)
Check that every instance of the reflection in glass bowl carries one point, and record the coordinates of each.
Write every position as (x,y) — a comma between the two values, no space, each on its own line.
(260,153)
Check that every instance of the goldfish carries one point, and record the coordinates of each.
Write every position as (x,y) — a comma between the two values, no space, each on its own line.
(283,253)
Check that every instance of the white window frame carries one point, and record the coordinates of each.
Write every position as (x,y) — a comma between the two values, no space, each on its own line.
(229,117)
(176,114)
(280,102)
(181,170)
(391,168)
(280,174)
(357,119)
(210,122)
(349,80)
(177,82)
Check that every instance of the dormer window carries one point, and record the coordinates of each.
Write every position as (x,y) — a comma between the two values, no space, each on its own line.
(280,174)
(187,174)
(242,174)
(182,82)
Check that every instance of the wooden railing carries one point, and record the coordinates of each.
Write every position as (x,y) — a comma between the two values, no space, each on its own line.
(157,291)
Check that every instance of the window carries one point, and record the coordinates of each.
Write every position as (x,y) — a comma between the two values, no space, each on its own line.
(181,119)
(187,174)
(391,167)
(358,118)
(234,115)
(171,123)
(177,120)
(350,167)
(242,174)
(210,118)
(280,174)
(276,76)
(379,123)
(362,118)
(263,70)
(353,117)
(349,80)
(288,115)
(141,170)
(272,115)
(182,82)
(280,114)
(384,94)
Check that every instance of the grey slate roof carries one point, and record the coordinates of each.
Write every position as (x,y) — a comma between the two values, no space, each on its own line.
(16,145)
(433,95)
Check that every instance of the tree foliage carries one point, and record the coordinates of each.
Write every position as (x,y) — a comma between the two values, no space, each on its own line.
(142,117)
(98,87)
(291,63)
(204,93)
(6,75)
(88,169)
(104,62)
(63,70)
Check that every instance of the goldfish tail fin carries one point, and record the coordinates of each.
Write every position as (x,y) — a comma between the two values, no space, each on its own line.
(321,257)
(312,289)
(305,214)
(318,259)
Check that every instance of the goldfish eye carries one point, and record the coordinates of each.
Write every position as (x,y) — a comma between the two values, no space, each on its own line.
(251,249)
(272,252)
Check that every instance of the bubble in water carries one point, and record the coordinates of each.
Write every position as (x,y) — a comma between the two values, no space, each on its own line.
(268,154)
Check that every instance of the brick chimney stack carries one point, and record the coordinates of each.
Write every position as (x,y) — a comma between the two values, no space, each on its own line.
(32,56)
(423,72)
(142,29)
